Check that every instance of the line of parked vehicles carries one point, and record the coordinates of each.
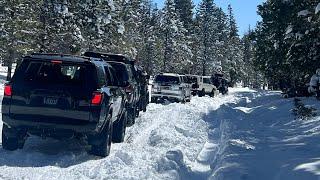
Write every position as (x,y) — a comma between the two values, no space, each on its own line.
(180,88)
(93,97)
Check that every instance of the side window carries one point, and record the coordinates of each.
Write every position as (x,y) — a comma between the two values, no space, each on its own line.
(116,81)
(109,77)
(101,76)
(130,73)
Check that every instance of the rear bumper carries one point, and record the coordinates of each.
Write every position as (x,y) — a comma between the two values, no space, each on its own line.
(177,95)
(32,125)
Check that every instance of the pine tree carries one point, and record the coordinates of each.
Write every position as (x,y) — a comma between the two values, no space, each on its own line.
(17,29)
(207,35)
(234,65)
(177,53)
(185,11)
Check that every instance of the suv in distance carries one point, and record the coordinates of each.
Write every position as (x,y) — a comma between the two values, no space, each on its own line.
(170,87)
(63,96)
(206,87)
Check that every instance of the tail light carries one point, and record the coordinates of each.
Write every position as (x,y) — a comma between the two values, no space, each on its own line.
(97,98)
(7,90)
(129,89)
(56,62)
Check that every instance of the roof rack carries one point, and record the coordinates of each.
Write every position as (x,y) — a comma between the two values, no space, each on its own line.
(109,56)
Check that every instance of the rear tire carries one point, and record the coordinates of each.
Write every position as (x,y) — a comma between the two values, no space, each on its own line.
(12,139)
(105,138)
(131,116)
(212,94)
(153,100)
(119,129)
(201,93)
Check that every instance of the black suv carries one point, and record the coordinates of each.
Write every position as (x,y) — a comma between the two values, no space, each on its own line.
(131,85)
(63,96)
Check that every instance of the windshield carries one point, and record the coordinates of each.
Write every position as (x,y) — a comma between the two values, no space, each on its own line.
(191,79)
(167,79)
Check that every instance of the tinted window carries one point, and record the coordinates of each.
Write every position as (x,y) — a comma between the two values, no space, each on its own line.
(121,72)
(167,79)
(101,76)
(49,73)
(191,79)
(207,80)
(109,77)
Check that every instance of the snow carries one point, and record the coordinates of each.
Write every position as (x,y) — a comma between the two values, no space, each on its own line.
(121,29)
(317,9)
(304,13)
(248,134)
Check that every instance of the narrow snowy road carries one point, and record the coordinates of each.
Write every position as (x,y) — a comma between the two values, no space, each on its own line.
(164,143)
(244,135)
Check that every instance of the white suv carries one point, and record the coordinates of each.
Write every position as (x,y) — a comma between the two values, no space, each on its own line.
(206,87)
(169,86)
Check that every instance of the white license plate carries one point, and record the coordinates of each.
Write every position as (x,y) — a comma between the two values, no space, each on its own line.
(50,101)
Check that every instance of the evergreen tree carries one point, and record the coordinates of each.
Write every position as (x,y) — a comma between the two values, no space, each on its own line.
(17,30)
(185,11)
(234,65)
(176,50)
(207,35)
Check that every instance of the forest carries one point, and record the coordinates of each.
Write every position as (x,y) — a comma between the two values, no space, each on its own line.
(281,51)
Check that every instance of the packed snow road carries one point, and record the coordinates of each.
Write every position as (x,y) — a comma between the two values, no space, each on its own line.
(244,135)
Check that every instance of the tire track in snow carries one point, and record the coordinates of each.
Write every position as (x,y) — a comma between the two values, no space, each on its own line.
(163,144)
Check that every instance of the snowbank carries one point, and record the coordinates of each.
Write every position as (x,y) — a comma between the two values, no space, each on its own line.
(246,135)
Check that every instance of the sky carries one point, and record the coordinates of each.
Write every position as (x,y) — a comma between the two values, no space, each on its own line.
(245,11)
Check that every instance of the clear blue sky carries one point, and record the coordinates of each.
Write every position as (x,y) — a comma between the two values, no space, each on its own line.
(245,11)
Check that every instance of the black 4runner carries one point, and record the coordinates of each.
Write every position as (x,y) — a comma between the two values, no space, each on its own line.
(62,96)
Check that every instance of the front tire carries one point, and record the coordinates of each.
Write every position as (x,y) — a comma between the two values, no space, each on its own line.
(201,93)
(119,129)
(131,116)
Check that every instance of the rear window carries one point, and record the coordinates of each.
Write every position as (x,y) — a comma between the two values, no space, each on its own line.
(121,72)
(207,80)
(50,73)
(167,79)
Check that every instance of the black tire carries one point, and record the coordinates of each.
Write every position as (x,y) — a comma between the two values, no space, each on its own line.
(137,113)
(212,93)
(104,138)
(119,129)
(153,100)
(201,93)
(131,116)
(12,139)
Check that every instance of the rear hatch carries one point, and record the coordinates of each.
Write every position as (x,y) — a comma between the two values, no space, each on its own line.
(53,91)
(167,84)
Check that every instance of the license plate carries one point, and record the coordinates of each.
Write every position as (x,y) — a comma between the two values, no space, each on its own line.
(50,101)
(165,88)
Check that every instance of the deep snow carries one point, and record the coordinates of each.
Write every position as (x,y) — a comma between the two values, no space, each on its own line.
(244,135)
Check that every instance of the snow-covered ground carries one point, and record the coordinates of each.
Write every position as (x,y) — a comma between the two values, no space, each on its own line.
(244,135)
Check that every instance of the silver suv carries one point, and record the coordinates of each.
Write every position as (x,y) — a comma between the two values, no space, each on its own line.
(169,87)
